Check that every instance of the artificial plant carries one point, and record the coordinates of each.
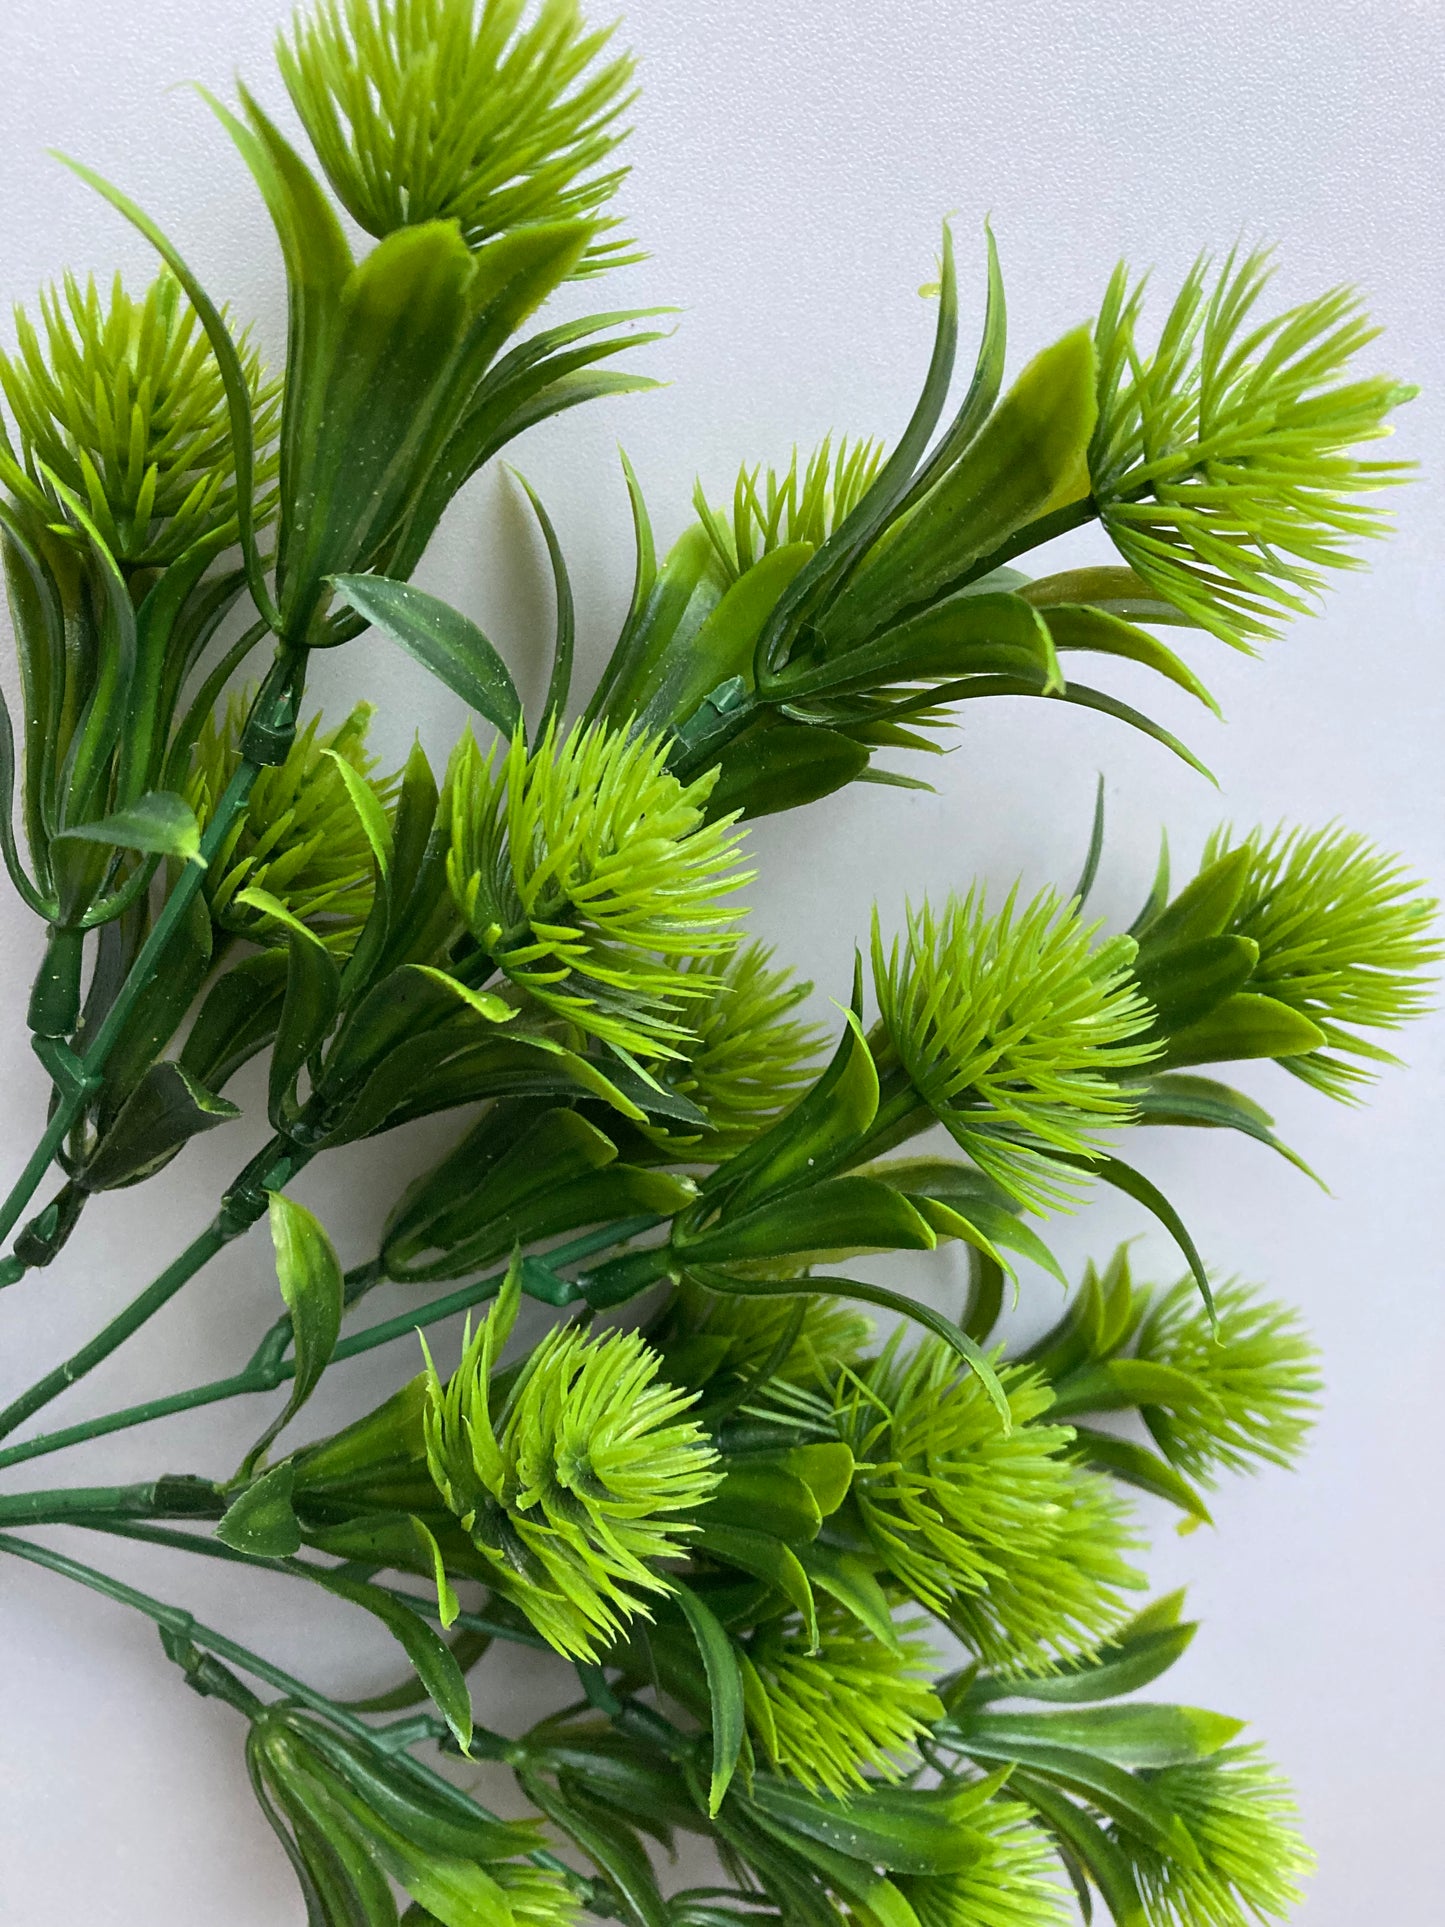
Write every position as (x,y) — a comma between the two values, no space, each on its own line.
(843,1584)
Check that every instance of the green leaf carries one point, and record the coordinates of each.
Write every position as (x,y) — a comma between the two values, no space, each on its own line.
(167,1108)
(873,1896)
(1139,1655)
(765,1558)
(560,683)
(1199,1101)
(851,1583)
(1028,460)
(812,1137)
(261,1520)
(1243,1026)
(1136,1735)
(1187,981)
(429,1654)
(443,640)
(1123,1177)
(1106,1865)
(310,1277)
(313,996)
(159,823)
(1098,632)
(777,766)
(612,1848)
(725,1690)
(1202,909)
(964,635)
(838,1214)
(955,1338)
(1128,1800)
(757,1495)
(1136,1465)
(909,1830)
(1118,1384)
(724,645)
(233,376)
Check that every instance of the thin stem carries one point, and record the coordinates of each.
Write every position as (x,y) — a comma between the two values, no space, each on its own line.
(175,1620)
(159,1292)
(177,1541)
(271,1372)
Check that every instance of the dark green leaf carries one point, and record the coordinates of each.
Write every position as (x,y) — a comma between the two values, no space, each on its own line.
(310,1277)
(839,1214)
(781,766)
(1136,1465)
(159,823)
(1107,1866)
(1187,981)
(1243,1026)
(165,1110)
(261,1520)
(612,1848)
(1135,1735)
(1136,1658)
(443,640)
(725,1690)
(912,1830)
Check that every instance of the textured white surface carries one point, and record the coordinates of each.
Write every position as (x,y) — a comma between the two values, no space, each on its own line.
(792,162)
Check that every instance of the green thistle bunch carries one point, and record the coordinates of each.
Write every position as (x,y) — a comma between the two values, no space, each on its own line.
(1257,1367)
(1011,1879)
(1012,1030)
(998,1532)
(747,1056)
(741,1524)
(593,878)
(571,1489)
(122,405)
(1346,937)
(845,1706)
(801,505)
(1241,1815)
(454,110)
(301,841)
(1222,462)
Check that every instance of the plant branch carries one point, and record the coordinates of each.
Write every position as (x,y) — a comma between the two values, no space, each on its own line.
(267,1370)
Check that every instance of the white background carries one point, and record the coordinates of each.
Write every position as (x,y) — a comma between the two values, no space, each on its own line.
(793,162)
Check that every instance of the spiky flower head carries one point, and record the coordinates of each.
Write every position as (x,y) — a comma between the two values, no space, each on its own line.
(121,403)
(350,1827)
(1240,1814)
(804,1340)
(1256,1362)
(848,1707)
(435,110)
(747,1057)
(803,504)
(1011,1029)
(999,1532)
(1223,462)
(300,839)
(595,881)
(1346,937)
(1012,1881)
(572,1488)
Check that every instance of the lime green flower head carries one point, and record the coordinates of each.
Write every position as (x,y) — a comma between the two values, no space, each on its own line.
(1011,1028)
(748,1056)
(435,110)
(1011,1881)
(1224,463)
(301,840)
(593,878)
(572,1489)
(850,1706)
(1347,937)
(804,504)
(998,1532)
(351,1827)
(1256,1362)
(121,404)
(1241,1816)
